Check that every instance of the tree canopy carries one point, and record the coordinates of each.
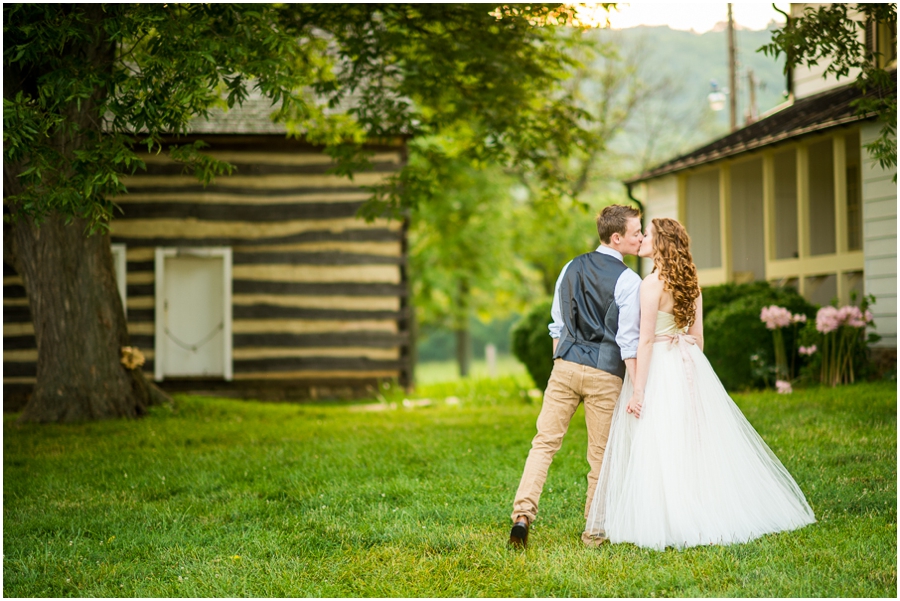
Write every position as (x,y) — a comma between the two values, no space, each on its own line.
(86,86)
(490,75)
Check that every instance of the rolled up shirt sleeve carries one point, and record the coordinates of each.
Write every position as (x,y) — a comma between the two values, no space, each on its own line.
(628,299)
(555,311)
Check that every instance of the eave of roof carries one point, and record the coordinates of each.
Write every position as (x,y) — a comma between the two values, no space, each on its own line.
(254,117)
(805,116)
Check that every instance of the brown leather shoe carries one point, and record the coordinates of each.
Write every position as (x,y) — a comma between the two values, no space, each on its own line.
(518,536)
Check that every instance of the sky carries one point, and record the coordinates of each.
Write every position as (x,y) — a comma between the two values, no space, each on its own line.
(699,16)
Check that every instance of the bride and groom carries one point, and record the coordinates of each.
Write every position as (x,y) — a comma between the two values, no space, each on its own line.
(673,462)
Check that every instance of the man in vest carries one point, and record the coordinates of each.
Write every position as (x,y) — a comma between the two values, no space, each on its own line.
(596,322)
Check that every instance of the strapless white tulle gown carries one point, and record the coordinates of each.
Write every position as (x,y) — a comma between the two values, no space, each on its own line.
(691,470)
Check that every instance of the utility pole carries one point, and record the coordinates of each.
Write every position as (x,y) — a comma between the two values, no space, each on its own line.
(732,79)
(752,112)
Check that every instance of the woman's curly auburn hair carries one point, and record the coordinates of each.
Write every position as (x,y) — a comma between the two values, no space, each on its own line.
(672,257)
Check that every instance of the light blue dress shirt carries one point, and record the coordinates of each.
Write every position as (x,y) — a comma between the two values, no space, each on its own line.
(628,299)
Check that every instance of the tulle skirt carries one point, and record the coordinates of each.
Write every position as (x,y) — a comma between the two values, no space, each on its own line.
(691,470)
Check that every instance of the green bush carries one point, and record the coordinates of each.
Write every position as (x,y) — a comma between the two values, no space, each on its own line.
(737,343)
(715,297)
(532,345)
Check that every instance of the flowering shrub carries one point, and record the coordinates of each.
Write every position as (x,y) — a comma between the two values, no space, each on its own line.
(737,343)
(777,318)
(829,319)
(783,387)
(842,331)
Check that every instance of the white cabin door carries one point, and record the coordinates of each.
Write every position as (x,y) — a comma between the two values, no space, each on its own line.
(196,328)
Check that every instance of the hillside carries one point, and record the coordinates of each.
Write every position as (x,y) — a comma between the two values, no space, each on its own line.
(679,119)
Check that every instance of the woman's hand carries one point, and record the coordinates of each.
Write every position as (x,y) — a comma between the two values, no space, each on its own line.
(635,404)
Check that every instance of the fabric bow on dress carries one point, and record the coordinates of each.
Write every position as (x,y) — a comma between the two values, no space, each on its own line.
(682,341)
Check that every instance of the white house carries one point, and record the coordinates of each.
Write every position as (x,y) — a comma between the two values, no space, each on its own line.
(794,198)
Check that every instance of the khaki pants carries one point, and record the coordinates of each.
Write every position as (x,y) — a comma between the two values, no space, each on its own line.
(570,384)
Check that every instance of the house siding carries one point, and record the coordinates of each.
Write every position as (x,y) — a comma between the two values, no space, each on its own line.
(812,80)
(880,239)
(809,80)
(660,200)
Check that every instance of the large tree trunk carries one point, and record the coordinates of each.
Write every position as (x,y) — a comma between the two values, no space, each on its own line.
(79,324)
(79,321)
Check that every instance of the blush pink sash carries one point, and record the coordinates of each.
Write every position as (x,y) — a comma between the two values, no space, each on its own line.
(682,341)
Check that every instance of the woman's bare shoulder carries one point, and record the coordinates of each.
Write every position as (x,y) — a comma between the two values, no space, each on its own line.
(652,279)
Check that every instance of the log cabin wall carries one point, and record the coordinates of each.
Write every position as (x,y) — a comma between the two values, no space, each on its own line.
(319,297)
(19,348)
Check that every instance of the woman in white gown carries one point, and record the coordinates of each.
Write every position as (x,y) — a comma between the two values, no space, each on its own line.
(683,466)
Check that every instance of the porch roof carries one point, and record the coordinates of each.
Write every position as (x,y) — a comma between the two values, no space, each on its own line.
(806,115)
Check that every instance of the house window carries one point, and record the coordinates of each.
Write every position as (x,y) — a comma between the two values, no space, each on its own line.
(811,184)
(854,285)
(821,198)
(702,216)
(786,204)
(854,192)
(821,289)
(747,236)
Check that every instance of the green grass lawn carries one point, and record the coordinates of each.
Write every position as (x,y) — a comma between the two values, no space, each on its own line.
(234,498)
(435,372)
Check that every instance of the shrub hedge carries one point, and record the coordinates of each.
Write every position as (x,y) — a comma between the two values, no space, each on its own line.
(737,343)
(532,345)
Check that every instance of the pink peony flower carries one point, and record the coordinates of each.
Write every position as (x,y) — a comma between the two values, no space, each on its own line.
(798,318)
(868,316)
(783,387)
(807,350)
(775,317)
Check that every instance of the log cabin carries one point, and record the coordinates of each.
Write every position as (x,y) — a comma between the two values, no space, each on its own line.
(264,284)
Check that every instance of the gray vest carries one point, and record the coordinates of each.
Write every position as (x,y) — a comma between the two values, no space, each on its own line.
(590,314)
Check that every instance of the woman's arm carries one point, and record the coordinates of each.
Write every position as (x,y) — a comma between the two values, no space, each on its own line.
(651,290)
(696,329)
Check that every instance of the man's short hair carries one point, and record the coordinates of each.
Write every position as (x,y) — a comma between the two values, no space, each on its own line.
(614,219)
